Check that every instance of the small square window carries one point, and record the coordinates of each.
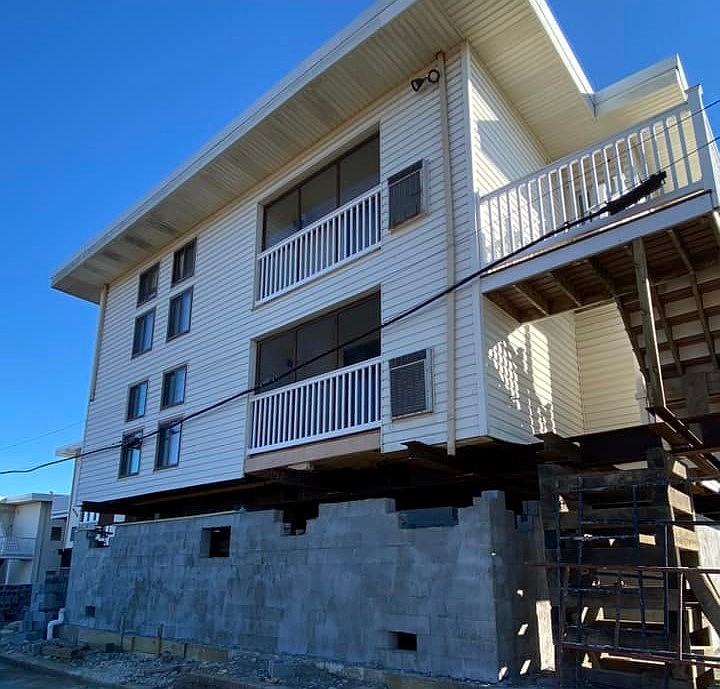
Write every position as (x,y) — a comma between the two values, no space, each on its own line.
(173,387)
(215,542)
(184,262)
(179,314)
(56,533)
(168,444)
(143,335)
(130,453)
(137,399)
(148,284)
(405,197)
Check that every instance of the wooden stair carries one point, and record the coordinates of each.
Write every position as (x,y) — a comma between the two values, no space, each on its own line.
(627,610)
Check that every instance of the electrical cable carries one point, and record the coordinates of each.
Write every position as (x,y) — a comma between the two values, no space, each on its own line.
(613,206)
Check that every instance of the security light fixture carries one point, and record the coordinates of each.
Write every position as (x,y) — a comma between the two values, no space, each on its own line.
(432,77)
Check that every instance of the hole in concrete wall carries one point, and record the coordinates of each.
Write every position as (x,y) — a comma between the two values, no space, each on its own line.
(428,517)
(89,611)
(56,533)
(215,542)
(295,518)
(403,641)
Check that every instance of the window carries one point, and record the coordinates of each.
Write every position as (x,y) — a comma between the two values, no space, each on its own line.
(137,398)
(143,336)
(405,198)
(130,453)
(344,179)
(56,533)
(278,354)
(173,387)
(168,444)
(148,284)
(184,262)
(179,314)
(215,542)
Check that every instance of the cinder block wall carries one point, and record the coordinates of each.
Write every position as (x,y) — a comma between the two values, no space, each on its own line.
(341,591)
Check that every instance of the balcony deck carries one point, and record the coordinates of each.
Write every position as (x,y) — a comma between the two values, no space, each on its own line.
(569,246)
(17,548)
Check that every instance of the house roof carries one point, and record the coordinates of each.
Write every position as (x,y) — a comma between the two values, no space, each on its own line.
(518,42)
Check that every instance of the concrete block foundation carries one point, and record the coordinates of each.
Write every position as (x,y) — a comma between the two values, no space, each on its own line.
(356,588)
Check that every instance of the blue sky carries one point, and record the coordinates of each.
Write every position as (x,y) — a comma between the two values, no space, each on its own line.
(102,99)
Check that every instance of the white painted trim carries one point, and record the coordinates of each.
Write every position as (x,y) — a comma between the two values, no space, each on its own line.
(614,235)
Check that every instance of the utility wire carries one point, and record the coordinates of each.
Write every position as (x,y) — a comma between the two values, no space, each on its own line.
(612,207)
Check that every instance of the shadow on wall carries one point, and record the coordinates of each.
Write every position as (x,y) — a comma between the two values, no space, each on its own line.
(532,376)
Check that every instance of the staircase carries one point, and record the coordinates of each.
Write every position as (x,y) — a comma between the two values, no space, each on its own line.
(631,606)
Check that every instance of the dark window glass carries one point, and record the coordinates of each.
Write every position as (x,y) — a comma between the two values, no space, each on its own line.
(184,262)
(137,398)
(360,170)
(130,453)
(179,314)
(280,353)
(318,196)
(405,194)
(313,339)
(148,284)
(168,444)
(173,387)
(143,335)
(347,177)
(56,533)
(353,323)
(281,219)
(276,356)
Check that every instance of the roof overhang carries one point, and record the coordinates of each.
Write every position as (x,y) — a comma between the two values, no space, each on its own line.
(518,42)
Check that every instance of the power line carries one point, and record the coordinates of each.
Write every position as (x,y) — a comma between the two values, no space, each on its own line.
(39,437)
(614,206)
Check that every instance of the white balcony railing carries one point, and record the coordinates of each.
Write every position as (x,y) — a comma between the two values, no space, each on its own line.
(565,192)
(345,234)
(326,406)
(16,547)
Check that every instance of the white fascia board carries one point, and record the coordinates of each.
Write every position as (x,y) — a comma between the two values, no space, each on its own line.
(358,31)
(565,52)
(667,72)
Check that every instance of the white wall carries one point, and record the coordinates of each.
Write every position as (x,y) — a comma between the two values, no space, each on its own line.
(532,376)
(612,386)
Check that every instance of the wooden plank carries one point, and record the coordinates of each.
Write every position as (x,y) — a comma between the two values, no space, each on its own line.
(685,539)
(680,502)
(653,368)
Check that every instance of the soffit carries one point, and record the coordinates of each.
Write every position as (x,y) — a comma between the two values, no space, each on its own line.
(386,46)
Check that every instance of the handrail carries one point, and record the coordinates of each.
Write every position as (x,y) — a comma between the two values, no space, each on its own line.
(344,234)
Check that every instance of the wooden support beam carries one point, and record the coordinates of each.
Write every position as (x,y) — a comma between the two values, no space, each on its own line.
(611,290)
(558,449)
(429,457)
(653,369)
(503,303)
(538,301)
(707,333)
(566,288)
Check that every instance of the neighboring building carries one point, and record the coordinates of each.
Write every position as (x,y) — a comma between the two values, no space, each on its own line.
(252,348)
(32,529)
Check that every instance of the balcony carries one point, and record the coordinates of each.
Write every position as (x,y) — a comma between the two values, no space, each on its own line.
(17,548)
(568,199)
(327,406)
(345,234)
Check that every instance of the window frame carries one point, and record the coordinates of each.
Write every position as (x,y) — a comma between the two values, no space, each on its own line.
(178,298)
(297,189)
(132,387)
(126,460)
(143,299)
(181,255)
(165,377)
(163,426)
(142,317)
(335,314)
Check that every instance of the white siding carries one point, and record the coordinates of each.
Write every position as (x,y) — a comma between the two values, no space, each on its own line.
(532,376)
(610,380)
(219,349)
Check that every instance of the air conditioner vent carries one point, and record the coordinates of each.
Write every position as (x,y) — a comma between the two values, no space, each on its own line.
(410,384)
